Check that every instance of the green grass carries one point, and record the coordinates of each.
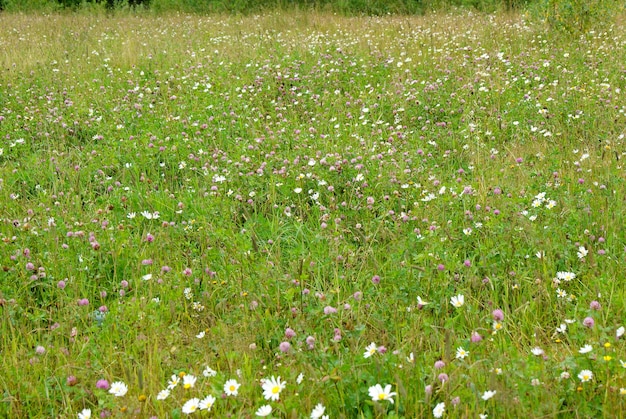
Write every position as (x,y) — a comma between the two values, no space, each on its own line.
(315,173)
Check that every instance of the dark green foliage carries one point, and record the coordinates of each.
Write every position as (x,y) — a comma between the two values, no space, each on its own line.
(112,4)
(70,3)
(346,7)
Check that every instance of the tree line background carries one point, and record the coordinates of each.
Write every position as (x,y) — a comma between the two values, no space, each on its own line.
(372,7)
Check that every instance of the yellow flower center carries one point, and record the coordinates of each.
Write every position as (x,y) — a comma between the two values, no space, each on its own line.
(275,389)
(187,386)
(232,388)
(381,396)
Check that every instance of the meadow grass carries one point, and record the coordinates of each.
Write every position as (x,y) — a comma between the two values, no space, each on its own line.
(434,204)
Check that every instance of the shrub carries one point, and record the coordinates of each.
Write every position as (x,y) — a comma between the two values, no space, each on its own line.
(576,17)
